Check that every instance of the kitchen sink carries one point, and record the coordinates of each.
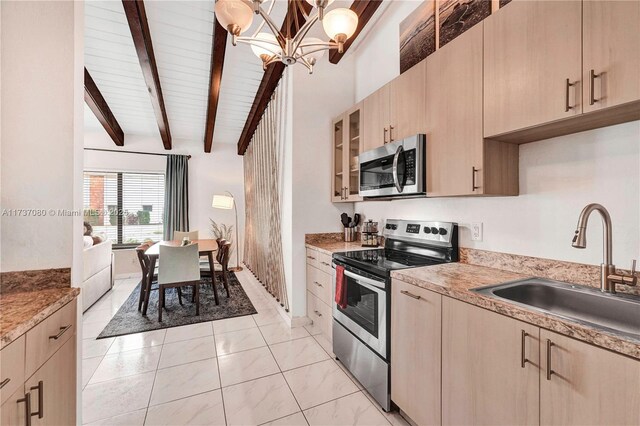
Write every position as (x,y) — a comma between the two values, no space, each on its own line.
(617,313)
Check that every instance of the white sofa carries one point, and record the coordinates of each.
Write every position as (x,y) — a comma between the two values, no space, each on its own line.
(97,276)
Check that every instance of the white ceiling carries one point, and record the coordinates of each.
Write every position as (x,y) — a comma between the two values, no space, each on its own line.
(181,32)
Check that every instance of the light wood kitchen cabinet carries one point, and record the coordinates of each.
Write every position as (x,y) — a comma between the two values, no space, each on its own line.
(407,98)
(347,145)
(397,110)
(13,410)
(490,367)
(588,385)
(416,351)
(611,49)
(52,385)
(319,294)
(459,160)
(532,64)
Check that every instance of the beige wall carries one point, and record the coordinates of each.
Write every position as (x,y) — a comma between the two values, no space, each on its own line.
(39,80)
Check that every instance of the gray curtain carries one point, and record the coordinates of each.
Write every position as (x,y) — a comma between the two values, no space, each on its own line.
(176,195)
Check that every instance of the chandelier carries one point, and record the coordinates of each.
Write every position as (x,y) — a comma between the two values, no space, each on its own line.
(290,47)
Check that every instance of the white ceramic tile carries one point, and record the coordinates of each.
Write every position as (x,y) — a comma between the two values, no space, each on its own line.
(268,316)
(127,363)
(91,330)
(203,409)
(296,419)
(281,332)
(241,340)
(187,351)
(297,353)
(392,417)
(187,332)
(258,401)
(135,418)
(137,341)
(246,365)
(93,315)
(325,343)
(354,409)
(233,324)
(89,366)
(185,380)
(318,383)
(92,348)
(108,399)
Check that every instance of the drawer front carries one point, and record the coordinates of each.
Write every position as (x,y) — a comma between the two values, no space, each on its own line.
(312,257)
(46,338)
(312,307)
(324,263)
(325,319)
(12,368)
(319,283)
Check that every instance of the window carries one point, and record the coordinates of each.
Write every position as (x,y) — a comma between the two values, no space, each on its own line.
(127,207)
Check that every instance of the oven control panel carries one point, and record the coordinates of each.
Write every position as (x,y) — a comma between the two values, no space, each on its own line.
(426,231)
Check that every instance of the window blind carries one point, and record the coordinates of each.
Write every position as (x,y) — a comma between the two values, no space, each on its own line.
(126,207)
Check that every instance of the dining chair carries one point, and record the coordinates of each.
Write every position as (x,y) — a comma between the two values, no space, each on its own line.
(205,269)
(224,253)
(144,266)
(179,235)
(179,268)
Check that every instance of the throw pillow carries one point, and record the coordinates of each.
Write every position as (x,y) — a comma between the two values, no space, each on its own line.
(88,241)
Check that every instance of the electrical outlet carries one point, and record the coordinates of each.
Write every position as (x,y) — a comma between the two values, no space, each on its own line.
(476,231)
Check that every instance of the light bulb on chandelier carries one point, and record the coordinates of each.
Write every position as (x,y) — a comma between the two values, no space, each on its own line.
(237,17)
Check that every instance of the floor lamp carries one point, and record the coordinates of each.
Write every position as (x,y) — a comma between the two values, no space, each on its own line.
(227,202)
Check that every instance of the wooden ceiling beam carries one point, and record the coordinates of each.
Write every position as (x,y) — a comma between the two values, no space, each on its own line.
(365,10)
(218,48)
(137,19)
(271,76)
(100,108)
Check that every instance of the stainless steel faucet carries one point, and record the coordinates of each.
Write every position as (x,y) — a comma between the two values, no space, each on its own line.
(608,276)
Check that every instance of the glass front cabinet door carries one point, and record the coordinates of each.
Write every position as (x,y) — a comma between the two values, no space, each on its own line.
(347,145)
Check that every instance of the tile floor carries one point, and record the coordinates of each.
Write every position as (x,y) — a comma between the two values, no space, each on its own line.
(249,370)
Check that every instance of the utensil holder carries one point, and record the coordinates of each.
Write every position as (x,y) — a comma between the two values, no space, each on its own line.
(349,234)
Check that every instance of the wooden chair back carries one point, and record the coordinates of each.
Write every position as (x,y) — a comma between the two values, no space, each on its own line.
(142,258)
(225,252)
(221,242)
(179,235)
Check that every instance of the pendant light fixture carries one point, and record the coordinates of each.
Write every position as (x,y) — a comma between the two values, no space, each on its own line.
(236,16)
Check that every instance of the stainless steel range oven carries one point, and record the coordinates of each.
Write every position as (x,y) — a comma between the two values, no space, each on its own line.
(362,328)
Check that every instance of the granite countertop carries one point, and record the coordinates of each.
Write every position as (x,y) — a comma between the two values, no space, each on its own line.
(28,297)
(457,279)
(331,247)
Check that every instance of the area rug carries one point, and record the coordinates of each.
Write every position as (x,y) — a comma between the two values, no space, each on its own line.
(129,320)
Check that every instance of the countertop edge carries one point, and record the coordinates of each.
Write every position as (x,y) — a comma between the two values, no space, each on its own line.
(67,296)
(550,322)
(337,247)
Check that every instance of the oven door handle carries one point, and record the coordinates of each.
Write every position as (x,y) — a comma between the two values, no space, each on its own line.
(396,179)
(367,282)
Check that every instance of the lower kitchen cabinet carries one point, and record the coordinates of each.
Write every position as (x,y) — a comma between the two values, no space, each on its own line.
(319,293)
(489,367)
(586,384)
(416,351)
(13,411)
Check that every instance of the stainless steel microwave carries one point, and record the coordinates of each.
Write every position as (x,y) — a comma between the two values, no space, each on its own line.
(396,169)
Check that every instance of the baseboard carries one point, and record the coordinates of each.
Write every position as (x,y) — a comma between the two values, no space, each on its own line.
(125,276)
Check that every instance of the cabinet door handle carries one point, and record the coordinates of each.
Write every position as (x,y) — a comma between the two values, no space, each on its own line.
(406,293)
(325,263)
(391,133)
(27,408)
(40,389)
(311,257)
(523,348)
(317,313)
(5,382)
(549,370)
(384,137)
(318,284)
(592,89)
(61,332)
(568,85)
(473,179)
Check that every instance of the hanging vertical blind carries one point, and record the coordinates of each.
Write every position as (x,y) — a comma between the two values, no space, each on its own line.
(263,178)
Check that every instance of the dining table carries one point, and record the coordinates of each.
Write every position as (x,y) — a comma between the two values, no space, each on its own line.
(205,248)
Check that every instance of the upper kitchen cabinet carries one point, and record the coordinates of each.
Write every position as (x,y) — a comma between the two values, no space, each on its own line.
(611,53)
(407,97)
(397,110)
(532,65)
(459,160)
(376,119)
(347,145)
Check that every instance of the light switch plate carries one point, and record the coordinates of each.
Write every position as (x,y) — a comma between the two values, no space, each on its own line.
(476,231)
